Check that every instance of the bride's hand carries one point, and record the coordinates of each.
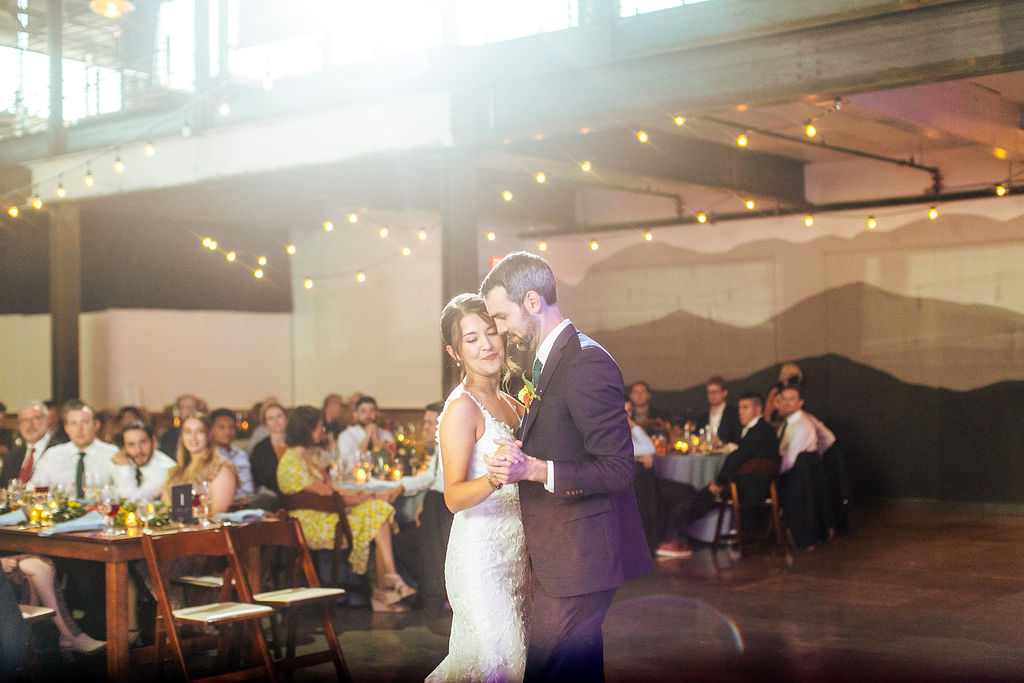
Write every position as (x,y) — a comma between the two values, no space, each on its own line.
(509,451)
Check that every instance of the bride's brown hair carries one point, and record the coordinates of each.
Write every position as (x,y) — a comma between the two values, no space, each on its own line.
(454,311)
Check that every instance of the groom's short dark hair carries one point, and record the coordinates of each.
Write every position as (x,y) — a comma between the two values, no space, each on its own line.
(521,272)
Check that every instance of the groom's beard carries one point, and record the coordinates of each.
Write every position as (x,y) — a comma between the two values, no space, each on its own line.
(528,342)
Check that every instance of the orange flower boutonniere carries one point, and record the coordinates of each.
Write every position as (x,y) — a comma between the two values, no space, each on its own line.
(528,393)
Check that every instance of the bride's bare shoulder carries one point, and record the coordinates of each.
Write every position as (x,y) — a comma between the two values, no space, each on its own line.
(462,408)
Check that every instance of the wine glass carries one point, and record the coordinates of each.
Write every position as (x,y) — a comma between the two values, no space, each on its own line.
(145,510)
(203,496)
(108,505)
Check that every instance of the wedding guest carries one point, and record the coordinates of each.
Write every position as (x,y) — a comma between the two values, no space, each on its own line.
(140,471)
(364,436)
(84,457)
(260,432)
(790,375)
(21,462)
(644,412)
(722,419)
(803,488)
(334,413)
(797,434)
(225,428)
(129,414)
(371,515)
(184,405)
(644,481)
(54,423)
(264,456)
(198,463)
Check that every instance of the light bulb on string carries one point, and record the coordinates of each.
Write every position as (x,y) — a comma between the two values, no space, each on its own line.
(642,136)
(360,277)
(810,130)
(37,201)
(307,283)
(224,109)
(648,236)
(60,191)
(262,260)
(118,165)
(353,218)
(421,235)
(290,249)
(383,232)
(89,179)
(872,223)
(680,120)
(702,217)
(542,246)
(541,178)
(750,204)
(13,211)
(507,195)
(1001,190)
(594,246)
(231,256)
(586,166)
(809,220)
(491,237)
(742,140)
(328,226)
(212,246)
(933,213)
(406,251)
(149,150)
(258,273)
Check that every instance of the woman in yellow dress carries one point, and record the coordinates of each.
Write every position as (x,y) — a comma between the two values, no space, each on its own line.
(371,515)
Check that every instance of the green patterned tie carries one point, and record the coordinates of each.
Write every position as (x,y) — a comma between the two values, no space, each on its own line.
(537,367)
(79,475)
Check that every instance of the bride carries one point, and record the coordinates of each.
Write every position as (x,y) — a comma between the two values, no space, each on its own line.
(487,568)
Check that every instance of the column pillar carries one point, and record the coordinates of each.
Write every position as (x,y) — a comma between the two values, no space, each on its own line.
(65,299)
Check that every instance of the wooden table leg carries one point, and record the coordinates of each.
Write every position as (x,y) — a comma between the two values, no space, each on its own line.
(118,660)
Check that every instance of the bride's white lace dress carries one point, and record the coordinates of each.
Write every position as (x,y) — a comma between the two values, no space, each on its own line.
(487,578)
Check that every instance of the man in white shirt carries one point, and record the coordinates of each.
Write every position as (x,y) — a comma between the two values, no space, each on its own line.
(140,471)
(797,434)
(364,436)
(21,462)
(84,458)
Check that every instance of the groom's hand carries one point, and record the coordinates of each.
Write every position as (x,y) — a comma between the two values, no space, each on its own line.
(511,451)
(509,464)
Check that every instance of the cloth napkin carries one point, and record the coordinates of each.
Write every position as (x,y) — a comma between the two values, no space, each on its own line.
(379,485)
(13,517)
(242,516)
(91,521)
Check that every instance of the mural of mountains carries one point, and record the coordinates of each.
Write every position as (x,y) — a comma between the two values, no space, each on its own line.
(921,341)
(902,440)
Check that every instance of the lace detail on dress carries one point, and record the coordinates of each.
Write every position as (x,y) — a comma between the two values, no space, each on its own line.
(487,577)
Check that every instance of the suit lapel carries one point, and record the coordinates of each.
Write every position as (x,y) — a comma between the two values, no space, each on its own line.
(545,376)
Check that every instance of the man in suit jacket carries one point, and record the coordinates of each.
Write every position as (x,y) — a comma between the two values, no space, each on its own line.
(21,461)
(574,462)
(722,418)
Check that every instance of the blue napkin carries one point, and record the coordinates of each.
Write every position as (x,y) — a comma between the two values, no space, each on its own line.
(13,517)
(242,516)
(91,521)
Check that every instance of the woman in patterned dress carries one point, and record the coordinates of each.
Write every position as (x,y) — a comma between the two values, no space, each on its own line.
(199,462)
(371,515)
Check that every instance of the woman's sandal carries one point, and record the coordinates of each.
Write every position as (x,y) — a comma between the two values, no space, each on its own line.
(397,585)
(383,600)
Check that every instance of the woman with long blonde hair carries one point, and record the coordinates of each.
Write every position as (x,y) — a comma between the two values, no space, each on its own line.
(199,462)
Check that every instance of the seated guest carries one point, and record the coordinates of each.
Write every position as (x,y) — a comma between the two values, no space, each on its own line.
(198,463)
(644,413)
(184,405)
(225,427)
(644,481)
(722,419)
(85,457)
(54,424)
(802,485)
(334,413)
(33,578)
(790,374)
(364,436)
(129,414)
(433,517)
(370,514)
(140,471)
(264,456)
(797,434)
(260,432)
(20,463)
(757,440)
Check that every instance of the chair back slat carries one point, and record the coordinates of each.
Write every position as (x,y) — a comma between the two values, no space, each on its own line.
(760,466)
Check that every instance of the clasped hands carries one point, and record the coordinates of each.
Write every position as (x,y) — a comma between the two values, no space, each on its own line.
(508,464)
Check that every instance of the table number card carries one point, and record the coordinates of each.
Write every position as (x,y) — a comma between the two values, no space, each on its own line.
(181,504)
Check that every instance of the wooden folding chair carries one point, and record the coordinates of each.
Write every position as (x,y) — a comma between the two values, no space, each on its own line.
(32,614)
(227,616)
(762,468)
(286,537)
(305,500)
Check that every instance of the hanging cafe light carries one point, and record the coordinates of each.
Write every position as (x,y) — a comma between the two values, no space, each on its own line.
(111,9)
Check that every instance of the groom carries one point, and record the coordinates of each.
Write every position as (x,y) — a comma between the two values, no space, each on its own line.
(574,462)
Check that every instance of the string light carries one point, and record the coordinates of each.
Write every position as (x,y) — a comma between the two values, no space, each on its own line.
(648,236)
(307,283)
(586,166)
(542,246)
(541,178)
(37,201)
(742,140)
(810,130)
(507,195)
(1001,190)
(231,256)
(491,237)
(212,246)
(702,217)
(262,260)
(383,232)
(750,204)
(149,149)
(360,277)
(13,211)
(406,251)
(290,249)
(328,226)
(933,213)
(809,220)
(642,136)
(353,218)
(258,273)
(118,165)
(594,246)
(872,223)
(224,109)
(421,235)
(61,192)
(89,179)
(680,120)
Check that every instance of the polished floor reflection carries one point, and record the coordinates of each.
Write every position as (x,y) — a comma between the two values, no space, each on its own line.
(911,593)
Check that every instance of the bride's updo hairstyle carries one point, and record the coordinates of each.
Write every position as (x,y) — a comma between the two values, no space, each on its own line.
(454,311)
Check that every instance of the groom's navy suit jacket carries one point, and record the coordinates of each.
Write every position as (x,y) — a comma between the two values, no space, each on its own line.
(587,536)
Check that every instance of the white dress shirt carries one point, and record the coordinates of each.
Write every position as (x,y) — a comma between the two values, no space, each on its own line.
(349,442)
(430,479)
(37,450)
(799,437)
(154,476)
(825,436)
(59,465)
(642,444)
(715,417)
(543,351)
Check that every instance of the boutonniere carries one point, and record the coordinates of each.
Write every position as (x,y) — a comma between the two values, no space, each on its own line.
(528,393)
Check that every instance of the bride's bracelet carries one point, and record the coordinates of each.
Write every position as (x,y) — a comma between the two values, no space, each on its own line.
(495,484)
